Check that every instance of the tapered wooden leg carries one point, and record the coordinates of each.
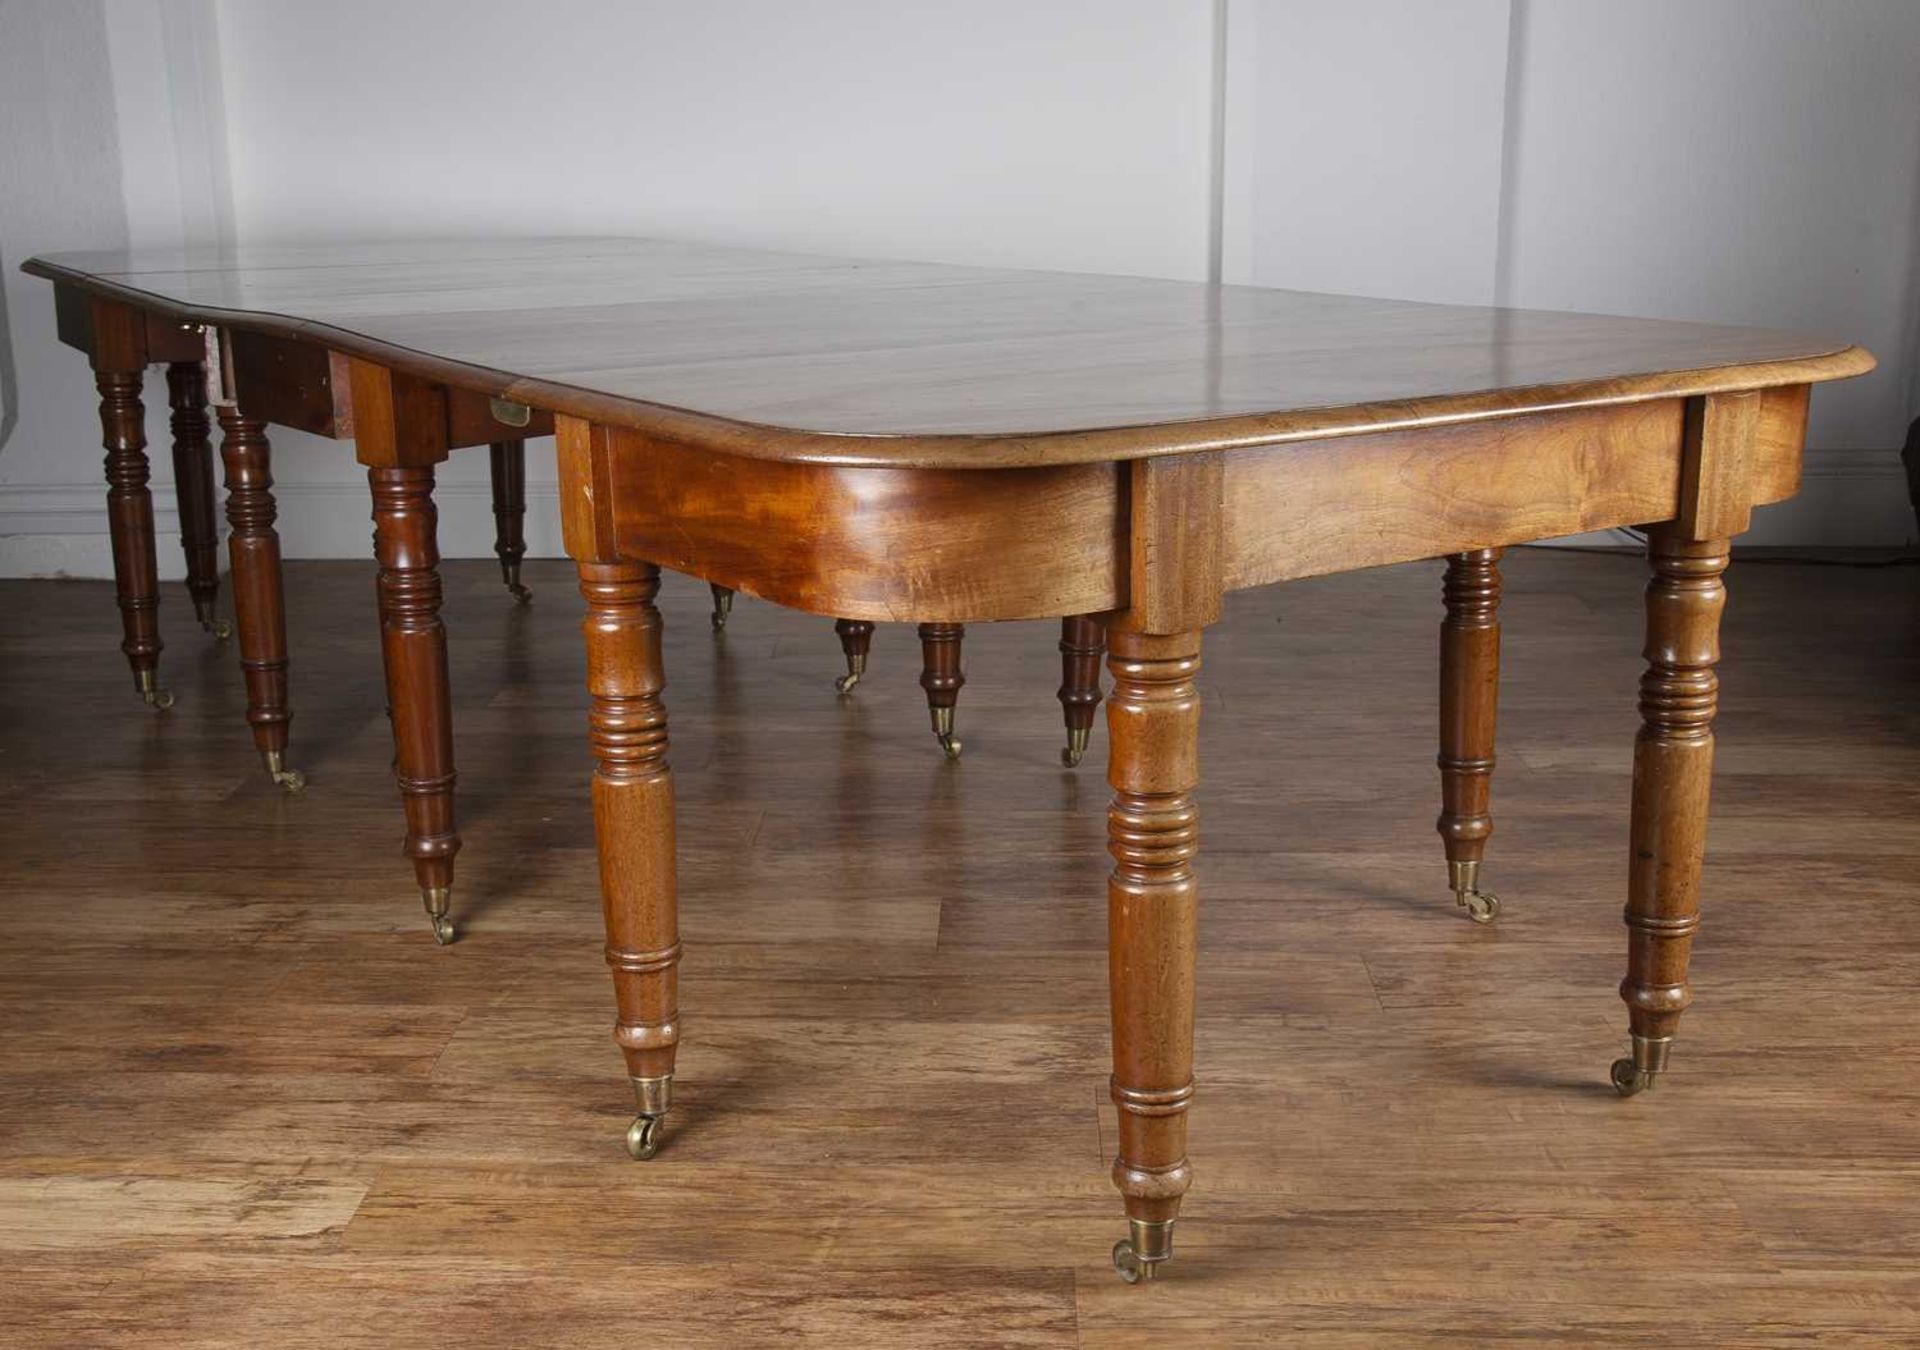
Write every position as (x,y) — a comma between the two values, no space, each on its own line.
(1153,724)
(941,677)
(136,572)
(1469,699)
(413,642)
(1083,641)
(259,605)
(1672,770)
(633,820)
(510,512)
(856,639)
(722,605)
(193,491)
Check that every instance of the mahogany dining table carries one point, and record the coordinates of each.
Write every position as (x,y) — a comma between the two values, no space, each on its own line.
(874,440)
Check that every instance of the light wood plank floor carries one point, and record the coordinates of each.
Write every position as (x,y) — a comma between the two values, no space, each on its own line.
(244,1101)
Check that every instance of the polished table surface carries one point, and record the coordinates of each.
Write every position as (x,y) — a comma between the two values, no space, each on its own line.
(911,441)
(851,361)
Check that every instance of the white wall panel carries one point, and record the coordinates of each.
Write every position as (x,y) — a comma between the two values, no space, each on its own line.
(1741,161)
(1069,135)
(1732,161)
(1372,159)
(59,189)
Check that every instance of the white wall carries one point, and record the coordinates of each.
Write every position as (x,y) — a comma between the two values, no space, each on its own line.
(1369,136)
(1740,161)
(59,188)
(1733,160)
(1730,161)
(1071,135)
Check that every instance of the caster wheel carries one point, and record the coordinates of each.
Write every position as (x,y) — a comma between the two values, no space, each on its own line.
(1078,738)
(1128,1265)
(158,700)
(290,779)
(521,594)
(221,630)
(443,930)
(643,1137)
(1481,906)
(719,621)
(1629,1081)
(844,685)
(951,744)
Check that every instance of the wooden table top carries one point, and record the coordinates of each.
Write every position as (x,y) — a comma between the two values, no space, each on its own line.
(859,361)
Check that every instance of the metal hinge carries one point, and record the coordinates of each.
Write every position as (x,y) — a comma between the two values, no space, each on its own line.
(509,413)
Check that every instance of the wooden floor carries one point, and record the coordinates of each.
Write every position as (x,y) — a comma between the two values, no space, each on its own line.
(244,1101)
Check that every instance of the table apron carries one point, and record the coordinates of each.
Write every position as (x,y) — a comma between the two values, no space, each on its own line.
(1365,501)
(955,545)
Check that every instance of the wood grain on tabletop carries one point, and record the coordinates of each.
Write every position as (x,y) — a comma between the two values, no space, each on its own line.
(848,360)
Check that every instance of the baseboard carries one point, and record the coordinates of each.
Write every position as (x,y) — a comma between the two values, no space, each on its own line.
(61,530)
(1848,498)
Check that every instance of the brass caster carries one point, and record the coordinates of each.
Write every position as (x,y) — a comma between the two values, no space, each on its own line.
(1464,878)
(643,1137)
(1627,1080)
(1148,1245)
(1637,1074)
(211,622)
(510,574)
(722,606)
(291,779)
(438,901)
(1077,738)
(1481,906)
(856,667)
(1128,1265)
(653,1096)
(943,732)
(151,693)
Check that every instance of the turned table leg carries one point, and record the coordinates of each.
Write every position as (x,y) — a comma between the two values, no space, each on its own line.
(1083,642)
(722,604)
(1153,723)
(633,820)
(509,463)
(941,677)
(259,605)
(1469,698)
(193,491)
(1672,772)
(856,639)
(413,642)
(136,573)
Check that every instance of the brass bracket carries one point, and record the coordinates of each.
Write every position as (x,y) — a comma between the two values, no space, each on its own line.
(509,413)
